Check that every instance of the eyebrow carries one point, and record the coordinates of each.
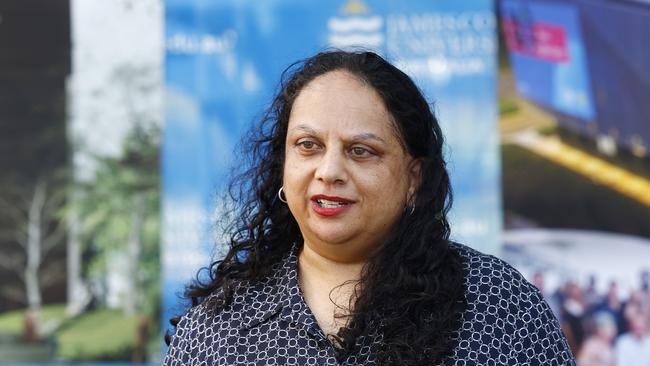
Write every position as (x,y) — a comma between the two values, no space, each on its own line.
(359,137)
(367,136)
(306,129)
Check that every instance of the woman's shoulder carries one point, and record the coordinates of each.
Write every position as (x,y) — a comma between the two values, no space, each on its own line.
(506,314)
(488,271)
(247,301)
(495,287)
(205,325)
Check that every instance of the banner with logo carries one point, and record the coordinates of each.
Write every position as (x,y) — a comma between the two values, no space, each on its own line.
(223,63)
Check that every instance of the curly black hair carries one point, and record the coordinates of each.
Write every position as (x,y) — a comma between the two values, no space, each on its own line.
(416,268)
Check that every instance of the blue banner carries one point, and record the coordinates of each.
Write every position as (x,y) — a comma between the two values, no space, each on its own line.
(548,55)
(223,63)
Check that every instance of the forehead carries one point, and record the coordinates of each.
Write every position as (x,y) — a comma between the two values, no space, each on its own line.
(340,101)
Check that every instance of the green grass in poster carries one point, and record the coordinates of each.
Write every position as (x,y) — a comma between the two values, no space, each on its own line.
(106,335)
(99,335)
(12,322)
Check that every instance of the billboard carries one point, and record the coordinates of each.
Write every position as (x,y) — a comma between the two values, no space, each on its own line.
(576,212)
(80,127)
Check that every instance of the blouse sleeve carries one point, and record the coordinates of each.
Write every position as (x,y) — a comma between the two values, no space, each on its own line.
(507,321)
(180,351)
(537,337)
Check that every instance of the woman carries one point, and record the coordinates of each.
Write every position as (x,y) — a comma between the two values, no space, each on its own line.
(341,256)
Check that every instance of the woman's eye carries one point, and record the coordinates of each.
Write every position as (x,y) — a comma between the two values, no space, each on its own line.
(307,145)
(360,151)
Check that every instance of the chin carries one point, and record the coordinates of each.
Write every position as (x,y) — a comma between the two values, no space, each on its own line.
(333,238)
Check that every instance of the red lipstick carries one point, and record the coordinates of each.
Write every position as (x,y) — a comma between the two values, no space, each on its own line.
(330,205)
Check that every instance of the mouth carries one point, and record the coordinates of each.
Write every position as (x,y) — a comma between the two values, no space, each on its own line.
(336,201)
(330,201)
(330,204)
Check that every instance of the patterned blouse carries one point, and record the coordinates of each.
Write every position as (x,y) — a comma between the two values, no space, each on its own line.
(506,322)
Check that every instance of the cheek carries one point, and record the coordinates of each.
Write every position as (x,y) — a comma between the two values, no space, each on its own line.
(290,167)
(295,176)
(387,186)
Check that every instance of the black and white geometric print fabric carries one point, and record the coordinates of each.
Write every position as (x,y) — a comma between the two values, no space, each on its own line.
(507,322)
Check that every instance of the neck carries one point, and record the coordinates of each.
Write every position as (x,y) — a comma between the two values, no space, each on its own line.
(328,287)
(331,270)
(353,251)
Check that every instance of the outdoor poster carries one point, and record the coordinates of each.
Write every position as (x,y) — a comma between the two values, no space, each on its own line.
(80,182)
(223,64)
(576,178)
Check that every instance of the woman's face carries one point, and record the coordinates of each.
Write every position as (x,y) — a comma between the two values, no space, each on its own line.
(347,178)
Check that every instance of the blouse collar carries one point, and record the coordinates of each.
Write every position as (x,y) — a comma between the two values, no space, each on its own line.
(279,294)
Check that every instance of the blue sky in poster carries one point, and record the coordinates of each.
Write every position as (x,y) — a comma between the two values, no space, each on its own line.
(223,63)
(563,86)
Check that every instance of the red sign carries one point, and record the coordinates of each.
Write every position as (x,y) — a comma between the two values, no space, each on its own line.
(540,40)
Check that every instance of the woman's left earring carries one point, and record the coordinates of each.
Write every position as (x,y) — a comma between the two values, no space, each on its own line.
(280,195)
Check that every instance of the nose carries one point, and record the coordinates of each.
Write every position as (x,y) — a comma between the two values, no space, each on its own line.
(331,168)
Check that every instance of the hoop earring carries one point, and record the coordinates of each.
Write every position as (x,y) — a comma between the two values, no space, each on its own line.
(280,195)
(409,210)
(411,205)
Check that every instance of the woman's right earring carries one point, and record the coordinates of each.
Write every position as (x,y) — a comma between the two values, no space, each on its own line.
(280,195)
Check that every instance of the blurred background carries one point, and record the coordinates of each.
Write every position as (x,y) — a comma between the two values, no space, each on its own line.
(120,121)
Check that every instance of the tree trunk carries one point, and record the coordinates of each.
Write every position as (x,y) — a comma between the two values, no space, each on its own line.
(77,294)
(134,245)
(34,239)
